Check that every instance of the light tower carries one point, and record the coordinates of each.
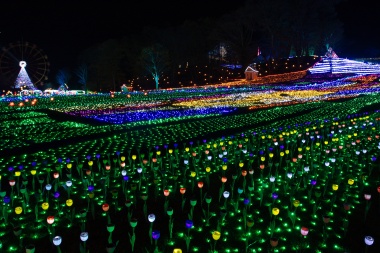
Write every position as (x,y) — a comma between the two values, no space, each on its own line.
(23,81)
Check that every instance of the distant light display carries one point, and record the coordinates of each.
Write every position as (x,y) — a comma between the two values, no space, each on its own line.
(159,114)
(340,65)
(23,81)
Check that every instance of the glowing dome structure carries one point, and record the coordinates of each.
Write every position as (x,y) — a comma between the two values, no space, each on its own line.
(340,66)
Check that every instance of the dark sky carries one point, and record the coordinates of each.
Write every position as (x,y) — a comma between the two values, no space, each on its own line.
(361,25)
(62,29)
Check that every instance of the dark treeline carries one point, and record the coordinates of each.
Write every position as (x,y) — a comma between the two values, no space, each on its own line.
(276,28)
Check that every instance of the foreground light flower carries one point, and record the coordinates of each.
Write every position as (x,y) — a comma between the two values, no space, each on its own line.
(304,231)
(84,236)
(69,202)
(57,240)
(369,240)
(151,217)
(216,235)
(18,210)
(273,242)
(45,205)
(50,219)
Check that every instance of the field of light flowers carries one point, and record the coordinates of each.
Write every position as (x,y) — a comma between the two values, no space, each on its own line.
(278,167)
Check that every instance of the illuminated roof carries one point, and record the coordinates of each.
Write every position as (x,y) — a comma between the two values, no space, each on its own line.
(250,69)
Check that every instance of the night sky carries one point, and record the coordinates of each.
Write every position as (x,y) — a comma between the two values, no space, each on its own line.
(63,29)
(361,28)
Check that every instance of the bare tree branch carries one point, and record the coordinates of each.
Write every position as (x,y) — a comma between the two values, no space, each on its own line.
(63,76)
(82,73)
(155,60)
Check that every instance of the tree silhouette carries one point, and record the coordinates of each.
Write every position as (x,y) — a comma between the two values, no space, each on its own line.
(329,29)
(82,73)
(103,61)
(188,45)
(63,76)
(155,60)
(272,22)
(280,28)
(295,27)
(238,32)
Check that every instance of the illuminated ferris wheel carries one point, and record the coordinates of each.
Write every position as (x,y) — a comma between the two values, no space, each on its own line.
(25,56)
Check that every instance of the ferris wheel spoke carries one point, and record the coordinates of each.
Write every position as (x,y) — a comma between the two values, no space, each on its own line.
(40,67)
(39,60)
(40,74)
(36,54)
(25,52)
(34,79)
(10,72)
